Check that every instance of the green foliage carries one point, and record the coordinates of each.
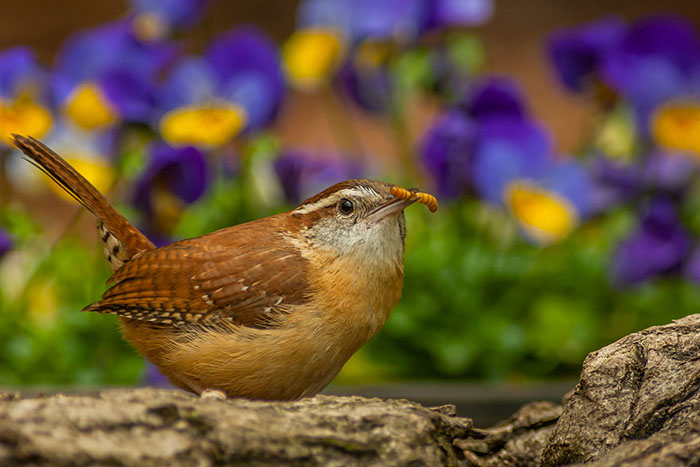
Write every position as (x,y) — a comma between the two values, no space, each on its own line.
(479,302)
(43,337)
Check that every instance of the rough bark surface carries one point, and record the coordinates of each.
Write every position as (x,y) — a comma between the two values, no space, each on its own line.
(519,440)
(636,403)
(164,427)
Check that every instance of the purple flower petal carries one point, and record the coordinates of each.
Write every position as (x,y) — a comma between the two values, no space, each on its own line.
(445,13)
(669,172)
(578,52)
(370,88)
(613,183)
(302,175)
(183,171)
(571,181)
(362,19)
(88,54)
(130,93)
(657,59)
(509,149)
(495,97)
(387,19)
(247,64)
(658,246)
(18,71)
(191,81)
(447,150)
(125,68)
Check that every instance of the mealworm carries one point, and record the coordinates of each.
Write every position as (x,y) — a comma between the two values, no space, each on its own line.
(423,198)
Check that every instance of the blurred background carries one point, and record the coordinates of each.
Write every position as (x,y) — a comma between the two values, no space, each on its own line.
(562,140)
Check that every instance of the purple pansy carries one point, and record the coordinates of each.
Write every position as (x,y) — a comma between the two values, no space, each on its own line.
(656,59)
(5,242)
(509,149)
(247,63)
(302,175)
(489,141)
(124,68)
(485,142)
(181,171)
(577,53)
(657,246)
(241,66)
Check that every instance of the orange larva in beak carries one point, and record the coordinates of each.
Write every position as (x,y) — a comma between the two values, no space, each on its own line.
(418,196)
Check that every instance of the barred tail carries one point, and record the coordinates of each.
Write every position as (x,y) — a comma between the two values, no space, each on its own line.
(127,238)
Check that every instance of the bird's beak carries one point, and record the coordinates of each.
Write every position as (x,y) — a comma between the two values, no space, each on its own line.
(393,206)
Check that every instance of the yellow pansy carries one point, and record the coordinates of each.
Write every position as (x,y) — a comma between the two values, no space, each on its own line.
(677,126)
(88,107)
(24,117)
(545,216)
(94,168)
(310,55)
(203,125)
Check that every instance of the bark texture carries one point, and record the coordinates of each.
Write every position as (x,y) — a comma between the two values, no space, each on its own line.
(637,403)
(166,427)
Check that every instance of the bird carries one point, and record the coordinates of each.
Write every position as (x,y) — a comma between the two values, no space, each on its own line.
(269,309)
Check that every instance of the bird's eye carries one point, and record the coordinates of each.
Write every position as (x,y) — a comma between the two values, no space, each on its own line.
(345,206)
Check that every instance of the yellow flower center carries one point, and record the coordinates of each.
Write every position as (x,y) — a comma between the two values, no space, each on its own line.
(544,215)
(88,107)
(677,126)
(204,125)
(23,117)
(94,168)
(310,55)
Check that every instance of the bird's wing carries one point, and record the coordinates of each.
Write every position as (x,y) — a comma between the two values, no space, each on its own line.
(199,282)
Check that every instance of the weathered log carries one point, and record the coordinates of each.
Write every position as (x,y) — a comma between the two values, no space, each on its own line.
(637,402)
(166,427)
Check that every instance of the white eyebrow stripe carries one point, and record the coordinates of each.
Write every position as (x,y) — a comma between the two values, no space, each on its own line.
(334,198)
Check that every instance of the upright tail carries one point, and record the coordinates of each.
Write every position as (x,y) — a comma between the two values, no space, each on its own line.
(121,239)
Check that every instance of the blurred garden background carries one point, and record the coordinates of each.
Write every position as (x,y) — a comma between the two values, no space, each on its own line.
(561,138)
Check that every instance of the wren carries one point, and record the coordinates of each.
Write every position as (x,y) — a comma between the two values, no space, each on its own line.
(269,309)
